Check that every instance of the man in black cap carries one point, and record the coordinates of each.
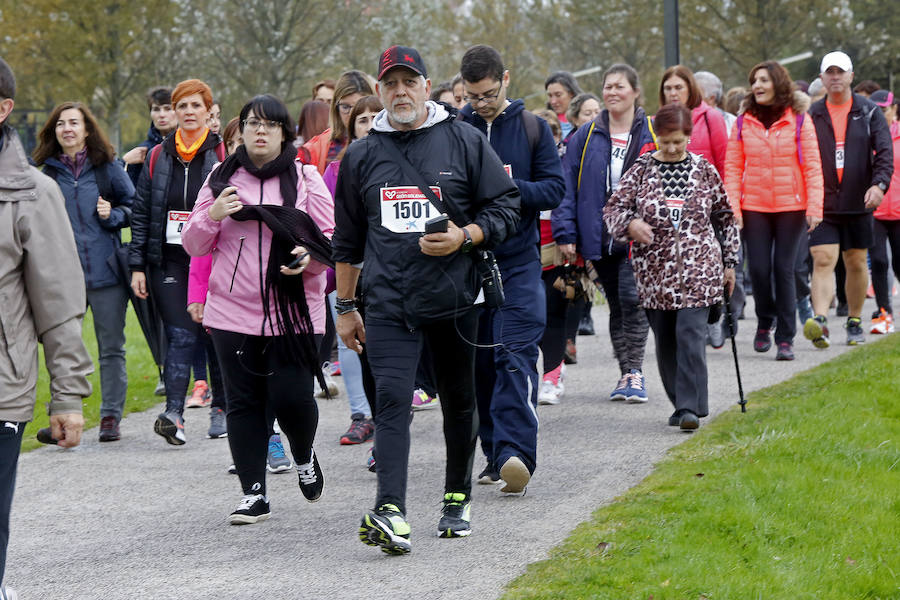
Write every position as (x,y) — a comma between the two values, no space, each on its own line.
(417,287)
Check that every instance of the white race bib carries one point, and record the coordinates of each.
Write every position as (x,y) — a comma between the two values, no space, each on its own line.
(405,209)
(839,155)
(675,206)
(175,222)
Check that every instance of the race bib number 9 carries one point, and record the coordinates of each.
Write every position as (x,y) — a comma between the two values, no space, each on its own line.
(839,155)
(675,206)
(175,222)
(405,209)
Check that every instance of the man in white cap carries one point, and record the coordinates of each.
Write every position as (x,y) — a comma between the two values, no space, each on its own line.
(857,163)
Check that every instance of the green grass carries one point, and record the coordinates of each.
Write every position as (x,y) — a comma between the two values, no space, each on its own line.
(798,498)
(142,378)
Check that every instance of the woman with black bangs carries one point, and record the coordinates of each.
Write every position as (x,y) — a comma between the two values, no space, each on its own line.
(267,219)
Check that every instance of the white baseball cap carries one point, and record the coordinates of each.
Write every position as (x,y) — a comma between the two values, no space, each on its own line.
(836,59)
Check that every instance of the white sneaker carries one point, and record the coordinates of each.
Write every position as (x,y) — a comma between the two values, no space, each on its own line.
(332,386)
(550,394)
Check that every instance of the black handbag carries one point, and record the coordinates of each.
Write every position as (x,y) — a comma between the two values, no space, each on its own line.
(485,262)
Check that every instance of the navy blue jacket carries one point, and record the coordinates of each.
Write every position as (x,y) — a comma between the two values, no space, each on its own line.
(579,218)
(154,137)
(95,238)
(538,176)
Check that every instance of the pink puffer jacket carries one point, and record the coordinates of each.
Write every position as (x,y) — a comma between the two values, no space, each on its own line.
(889,209)
(710,136)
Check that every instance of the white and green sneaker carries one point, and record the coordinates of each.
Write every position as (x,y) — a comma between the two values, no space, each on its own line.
(455,516)
(386,526)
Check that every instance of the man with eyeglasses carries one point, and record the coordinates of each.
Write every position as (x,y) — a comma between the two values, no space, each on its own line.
(417,288)
(508,336)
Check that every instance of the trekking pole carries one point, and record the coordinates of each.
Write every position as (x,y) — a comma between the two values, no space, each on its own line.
(717,229)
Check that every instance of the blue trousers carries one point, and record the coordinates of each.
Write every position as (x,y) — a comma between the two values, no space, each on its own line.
(108,305)
(506,375)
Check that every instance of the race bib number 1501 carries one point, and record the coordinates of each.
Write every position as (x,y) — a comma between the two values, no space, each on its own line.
(405,209)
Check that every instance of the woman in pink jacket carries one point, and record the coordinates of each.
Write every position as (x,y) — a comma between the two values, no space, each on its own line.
(709,138)
(267,220)
(773,176)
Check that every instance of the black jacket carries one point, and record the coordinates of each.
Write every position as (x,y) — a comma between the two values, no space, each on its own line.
(867,131)
(399,283)
(537,173)
(148,225)
(154,137)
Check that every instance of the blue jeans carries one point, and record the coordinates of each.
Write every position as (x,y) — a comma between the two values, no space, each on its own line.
(108,305)
(10,442)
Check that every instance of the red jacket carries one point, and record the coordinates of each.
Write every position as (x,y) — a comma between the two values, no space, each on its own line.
(763,171)
(889,209)
(318,151)
(710,136)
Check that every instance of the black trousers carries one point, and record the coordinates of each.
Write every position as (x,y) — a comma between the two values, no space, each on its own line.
(257,375)
(553,343)
(886,232)
(681,357)
(393,353)
(10,442)
(771,241)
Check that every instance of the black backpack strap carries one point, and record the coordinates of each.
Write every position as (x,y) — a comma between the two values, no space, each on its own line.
(104,186)
(51,172)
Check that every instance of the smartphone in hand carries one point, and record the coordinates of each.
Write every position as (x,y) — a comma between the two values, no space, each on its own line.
(437,225)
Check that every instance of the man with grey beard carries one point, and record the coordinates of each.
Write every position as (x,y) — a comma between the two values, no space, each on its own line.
(420,281)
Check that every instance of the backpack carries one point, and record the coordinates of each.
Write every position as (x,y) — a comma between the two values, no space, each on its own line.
(101,176)
(154,156)
(799,120)
(529,123)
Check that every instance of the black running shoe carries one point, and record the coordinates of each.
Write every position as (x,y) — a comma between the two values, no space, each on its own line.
(253,508)
(455,516)
(855,335)
(311,479)
(489,475)
(386,527)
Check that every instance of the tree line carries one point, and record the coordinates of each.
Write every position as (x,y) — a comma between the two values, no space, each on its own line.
(107,53)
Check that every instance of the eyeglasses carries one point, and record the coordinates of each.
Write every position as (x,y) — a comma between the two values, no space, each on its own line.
(486,99)
(345,108)
(254,123)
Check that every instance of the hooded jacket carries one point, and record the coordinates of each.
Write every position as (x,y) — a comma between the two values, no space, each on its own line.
(889,209)
(240,253)
(763,172)
(579,218)
(96,238)
(41,291)
(709,138)
(148,227)
(680,268)
(538,175)
(868,155)
(154,137)
(399,282)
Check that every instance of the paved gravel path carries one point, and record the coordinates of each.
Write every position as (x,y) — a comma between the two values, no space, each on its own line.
(140,519)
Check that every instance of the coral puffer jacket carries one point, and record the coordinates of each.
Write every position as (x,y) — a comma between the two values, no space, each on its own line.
(710,136)
(889,209)
(763,172)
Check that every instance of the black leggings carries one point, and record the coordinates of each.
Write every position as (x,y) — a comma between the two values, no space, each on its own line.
(771,242)
(257,374)
(886,232)
(553,344)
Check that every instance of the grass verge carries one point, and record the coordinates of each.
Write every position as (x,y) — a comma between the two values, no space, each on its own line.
(142,378)
(799,498)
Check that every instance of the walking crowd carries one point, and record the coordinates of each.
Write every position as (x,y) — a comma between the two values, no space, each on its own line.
(447,244)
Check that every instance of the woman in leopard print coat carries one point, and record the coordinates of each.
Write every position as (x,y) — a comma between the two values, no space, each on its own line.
(666,205)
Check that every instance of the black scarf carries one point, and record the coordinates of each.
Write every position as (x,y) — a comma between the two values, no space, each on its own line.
(290,227)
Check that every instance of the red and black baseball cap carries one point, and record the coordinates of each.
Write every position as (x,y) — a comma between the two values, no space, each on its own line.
(401,56)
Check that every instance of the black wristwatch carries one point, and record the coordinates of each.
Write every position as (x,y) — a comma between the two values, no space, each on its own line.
(467,244)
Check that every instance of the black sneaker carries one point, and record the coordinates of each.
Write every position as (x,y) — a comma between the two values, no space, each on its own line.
(253,508)
(109,429)
(361,430)
(489,475)
(386,527)
(855,335)
(455,516)
(311,479)
(785,351)
(762,341)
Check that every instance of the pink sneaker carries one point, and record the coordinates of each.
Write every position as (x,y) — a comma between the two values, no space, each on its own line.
(422,401)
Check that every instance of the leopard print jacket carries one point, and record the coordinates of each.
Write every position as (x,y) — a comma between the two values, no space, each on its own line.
(681,268)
